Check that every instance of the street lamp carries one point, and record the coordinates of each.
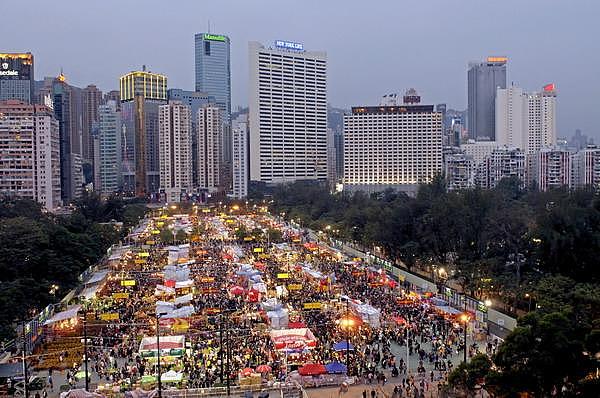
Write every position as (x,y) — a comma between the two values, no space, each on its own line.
(528,296)
(347,323)
(465,319)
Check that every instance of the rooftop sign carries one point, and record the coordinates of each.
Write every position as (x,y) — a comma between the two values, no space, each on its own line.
(497,59)
(289,45)
(208,36)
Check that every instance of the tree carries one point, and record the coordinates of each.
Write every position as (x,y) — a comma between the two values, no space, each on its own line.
(467,375)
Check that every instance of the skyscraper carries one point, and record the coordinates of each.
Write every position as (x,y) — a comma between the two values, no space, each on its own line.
(67,111)
(208,153)
(213,69)
(483,80)
(30,161)
(16,77)
(288,113)
(526,120)
(240,156)
(109,149)
(398,146)
(141,93)
(91,100)
(175,143)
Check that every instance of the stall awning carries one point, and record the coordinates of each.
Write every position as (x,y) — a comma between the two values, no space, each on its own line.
(61,316)
(90,292)
(447,309)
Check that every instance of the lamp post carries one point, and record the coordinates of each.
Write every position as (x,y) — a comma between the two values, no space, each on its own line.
(465,319)
(85,353)
(528,296)
(346,324)
(24,359)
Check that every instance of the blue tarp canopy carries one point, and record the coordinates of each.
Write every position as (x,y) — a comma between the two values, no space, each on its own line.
(336,367)
(342,346)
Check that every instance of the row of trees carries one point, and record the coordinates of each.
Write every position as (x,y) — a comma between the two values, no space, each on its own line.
(42,255)
(496,243)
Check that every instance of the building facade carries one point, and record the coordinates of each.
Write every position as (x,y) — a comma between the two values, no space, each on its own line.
(459,171)
(552,168)
(67,110)
(141,93)
(287,113)
(483,80)
(109,149)
(240,157)
(91,100)
(213,69)
(175,143)
(526,120)
(208,152)
(16,77)
(502,162)
(392,146)
(478,150)
(586,167)
(29,153)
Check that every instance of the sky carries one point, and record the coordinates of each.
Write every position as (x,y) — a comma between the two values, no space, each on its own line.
(374,47)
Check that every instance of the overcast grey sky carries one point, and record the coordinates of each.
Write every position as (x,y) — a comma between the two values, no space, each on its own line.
(374,47)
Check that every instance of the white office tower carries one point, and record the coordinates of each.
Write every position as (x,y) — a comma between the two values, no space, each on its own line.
(459,171)
(30,161)
(586,168)
(240,156)
(108,148)
(503,162)
(526,120)
(175,150)
(395,147)
(209,147)
(288,113)
(552,168)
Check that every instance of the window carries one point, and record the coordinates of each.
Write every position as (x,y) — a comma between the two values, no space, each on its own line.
(207,48)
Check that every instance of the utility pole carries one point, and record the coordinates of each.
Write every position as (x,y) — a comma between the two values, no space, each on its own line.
(158,355)
(227,368)
(24,358)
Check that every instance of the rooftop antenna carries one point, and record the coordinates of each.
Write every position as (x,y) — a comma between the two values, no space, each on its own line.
(209,26)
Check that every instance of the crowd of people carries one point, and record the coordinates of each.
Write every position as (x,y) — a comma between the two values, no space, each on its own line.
(229,332)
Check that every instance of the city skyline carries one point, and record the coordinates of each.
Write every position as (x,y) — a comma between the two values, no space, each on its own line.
(437,68)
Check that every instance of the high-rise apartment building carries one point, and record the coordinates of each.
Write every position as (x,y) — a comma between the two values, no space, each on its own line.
(392,146)
(175,143)
(195,100)
(16,77)
(552,168)
(29,153)
(112,95)
(208,153)
(501,163)
(526,120)
(240,156)
(586,167)
(478,150)
(459,171)
(109,149)
(483,80)
(288,113)
(141,93)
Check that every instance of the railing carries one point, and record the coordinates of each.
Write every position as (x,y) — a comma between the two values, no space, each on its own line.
(287,390)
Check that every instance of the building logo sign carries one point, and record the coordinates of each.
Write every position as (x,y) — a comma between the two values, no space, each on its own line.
(208,36)
(8,72)
(289,45)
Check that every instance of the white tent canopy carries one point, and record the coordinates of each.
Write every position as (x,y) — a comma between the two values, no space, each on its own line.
(61,316)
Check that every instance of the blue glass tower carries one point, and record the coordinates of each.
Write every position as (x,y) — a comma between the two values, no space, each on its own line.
(213,70)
